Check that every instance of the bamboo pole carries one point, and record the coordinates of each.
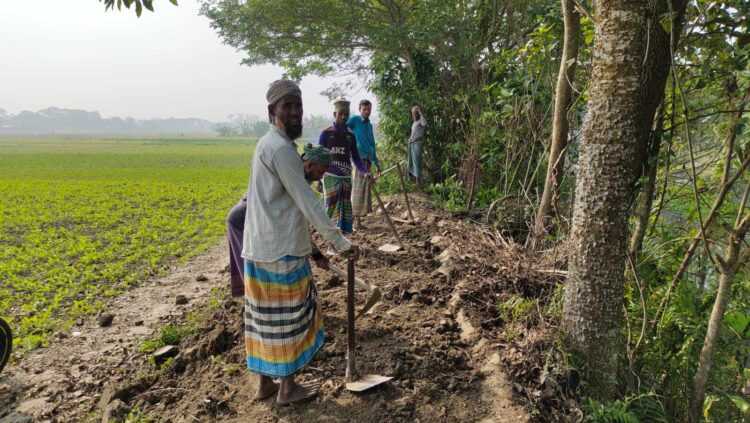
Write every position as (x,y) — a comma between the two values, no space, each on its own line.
(387,217)
(403,188)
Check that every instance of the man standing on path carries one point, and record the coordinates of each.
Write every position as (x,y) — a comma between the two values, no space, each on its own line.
(283,319)
(416,143)
(337,182)
(362,128)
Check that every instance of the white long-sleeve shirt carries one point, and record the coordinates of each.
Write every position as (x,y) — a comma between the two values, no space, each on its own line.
(281,204)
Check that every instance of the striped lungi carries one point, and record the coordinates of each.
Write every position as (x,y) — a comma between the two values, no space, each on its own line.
(414,160)
(361,200)
(283,319)
(338,192)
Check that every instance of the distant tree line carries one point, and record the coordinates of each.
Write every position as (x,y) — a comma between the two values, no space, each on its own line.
(255,126)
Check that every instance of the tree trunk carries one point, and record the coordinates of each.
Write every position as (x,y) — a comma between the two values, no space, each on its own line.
(712,333)
(656,67)
(560,124)
(592,307)
(646,197)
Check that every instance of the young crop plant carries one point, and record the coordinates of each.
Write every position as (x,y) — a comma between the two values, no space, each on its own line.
(83,220)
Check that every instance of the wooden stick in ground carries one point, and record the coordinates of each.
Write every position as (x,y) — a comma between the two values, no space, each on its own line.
(350,347)
(390,169)
(387,217)
(403,188)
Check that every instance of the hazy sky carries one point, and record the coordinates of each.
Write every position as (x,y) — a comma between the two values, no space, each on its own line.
(71,54)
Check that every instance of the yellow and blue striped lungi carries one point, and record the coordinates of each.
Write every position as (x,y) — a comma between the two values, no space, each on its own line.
(283,319)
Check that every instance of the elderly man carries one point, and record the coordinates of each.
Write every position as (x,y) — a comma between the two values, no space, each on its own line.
(337,182)
(416,143)
(283,319)
(315,160)
(362,128)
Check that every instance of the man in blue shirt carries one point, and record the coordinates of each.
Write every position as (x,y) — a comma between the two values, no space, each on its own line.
(362,128)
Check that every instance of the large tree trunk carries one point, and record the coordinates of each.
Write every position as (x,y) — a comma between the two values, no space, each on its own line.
(592,308)
(560,124)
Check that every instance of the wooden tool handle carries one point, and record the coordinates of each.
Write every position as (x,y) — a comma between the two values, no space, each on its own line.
(350,345)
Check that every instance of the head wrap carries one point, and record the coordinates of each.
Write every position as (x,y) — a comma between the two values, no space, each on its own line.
(281,87)
(341,104)
(317,154)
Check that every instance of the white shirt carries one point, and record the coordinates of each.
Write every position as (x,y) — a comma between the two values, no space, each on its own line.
(281,204)
(417,128)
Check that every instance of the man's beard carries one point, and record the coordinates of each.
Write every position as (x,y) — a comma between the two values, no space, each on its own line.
(293,130)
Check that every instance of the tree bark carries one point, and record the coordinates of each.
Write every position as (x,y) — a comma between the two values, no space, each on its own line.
(592,305)
(656,67)
(560,123)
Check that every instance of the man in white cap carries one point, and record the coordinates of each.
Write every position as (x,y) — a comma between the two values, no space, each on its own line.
(283,319)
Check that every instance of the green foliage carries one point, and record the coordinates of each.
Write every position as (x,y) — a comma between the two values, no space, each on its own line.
(449,193)
(631,409)
(485,90)
(516,309)
(607,413)
(138,416)
(139,5)
(740,404)
(84,220)
(169,335)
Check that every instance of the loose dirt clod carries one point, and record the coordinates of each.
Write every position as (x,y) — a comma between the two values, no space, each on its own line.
(105,320)
(162,354)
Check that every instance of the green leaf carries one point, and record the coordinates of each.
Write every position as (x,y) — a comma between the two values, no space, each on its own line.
(174,2)
(149,4)
(741,404)
(666,21)
(710,400)
(138,8)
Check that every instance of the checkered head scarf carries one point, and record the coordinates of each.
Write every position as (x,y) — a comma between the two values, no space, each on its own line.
(317,154)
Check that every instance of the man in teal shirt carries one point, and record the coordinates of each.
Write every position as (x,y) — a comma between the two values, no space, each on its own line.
(362,128)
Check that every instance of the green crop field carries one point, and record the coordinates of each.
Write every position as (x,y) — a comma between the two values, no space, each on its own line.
(85,219)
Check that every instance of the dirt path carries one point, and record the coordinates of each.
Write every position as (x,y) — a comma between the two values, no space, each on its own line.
(421,333)
(66,377)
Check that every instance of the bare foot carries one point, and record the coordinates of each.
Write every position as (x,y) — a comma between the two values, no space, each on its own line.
(297,392)
(266,388)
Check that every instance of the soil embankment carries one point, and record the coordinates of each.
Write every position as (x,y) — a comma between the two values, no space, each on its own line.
(432,332)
